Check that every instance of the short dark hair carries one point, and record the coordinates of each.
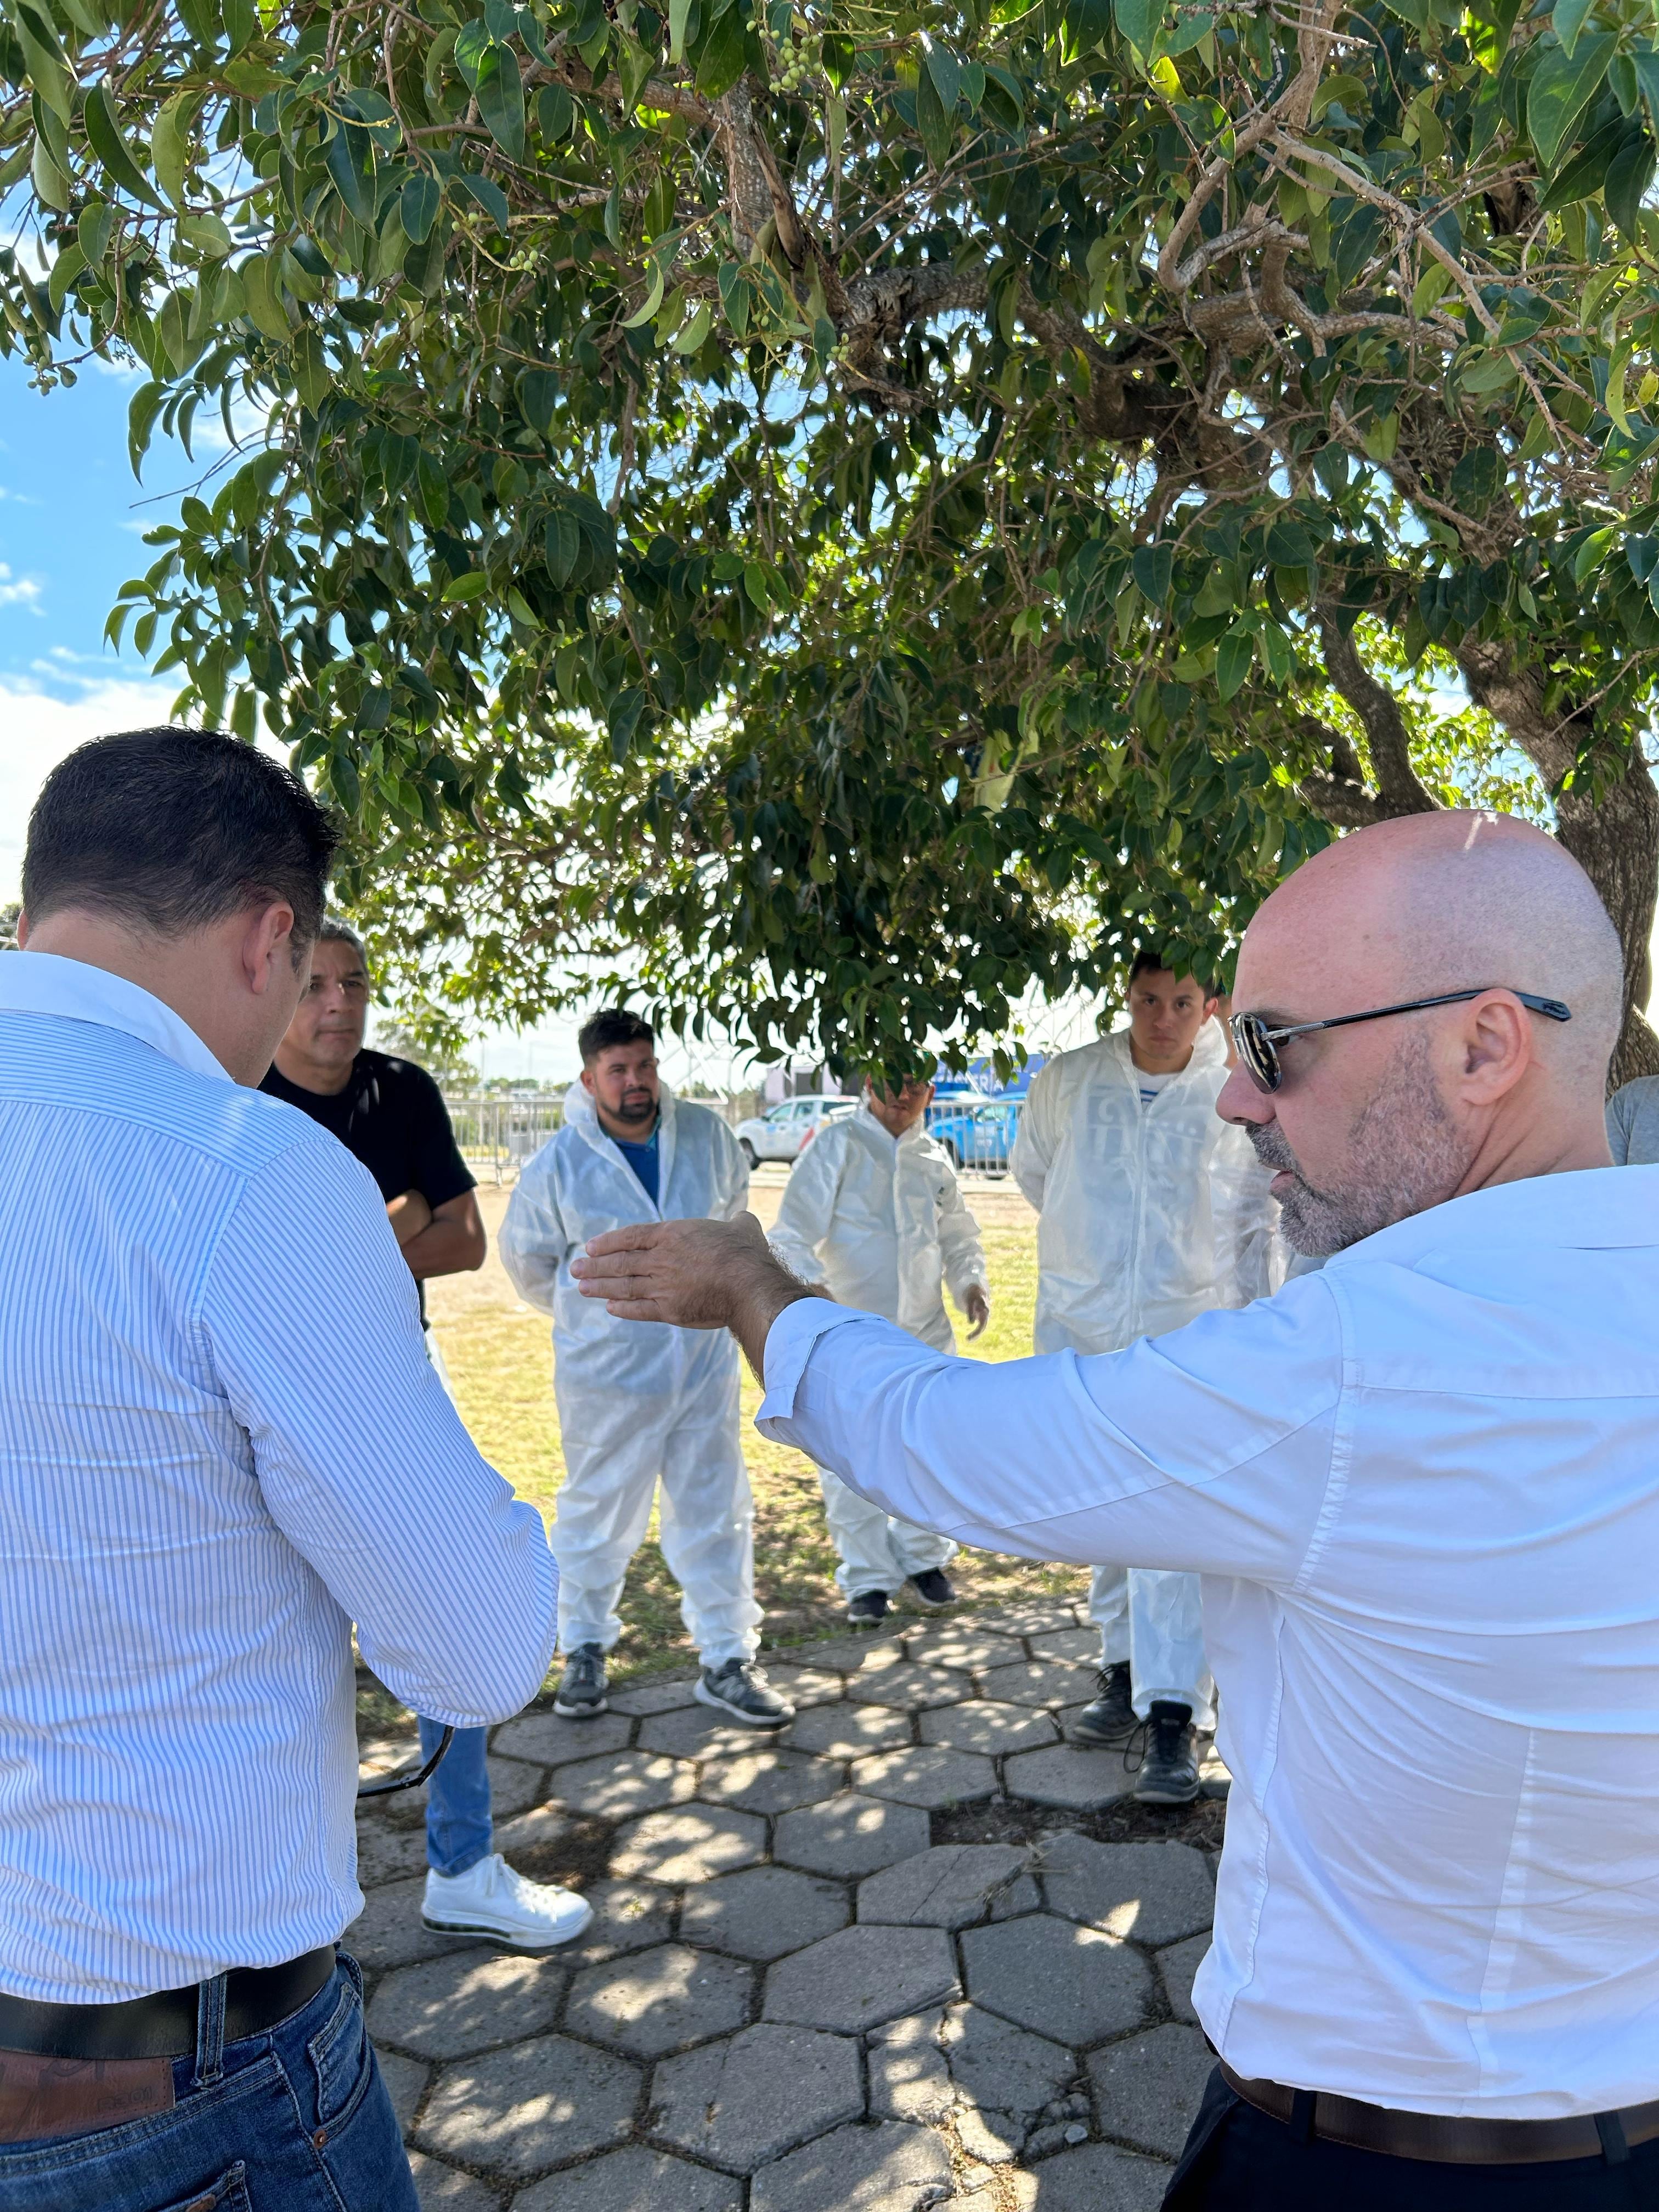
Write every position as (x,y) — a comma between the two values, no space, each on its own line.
(174,829)
(611,1027)
(1154,964)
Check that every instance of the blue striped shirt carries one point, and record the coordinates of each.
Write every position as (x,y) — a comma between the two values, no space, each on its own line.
(220,1443)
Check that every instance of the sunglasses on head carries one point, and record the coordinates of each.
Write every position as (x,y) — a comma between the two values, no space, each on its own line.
(1258,1045)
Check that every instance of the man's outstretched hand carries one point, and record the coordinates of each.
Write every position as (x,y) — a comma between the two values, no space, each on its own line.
(696,1274)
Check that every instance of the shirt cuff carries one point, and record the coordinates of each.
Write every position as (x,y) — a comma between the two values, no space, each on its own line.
(789,1343)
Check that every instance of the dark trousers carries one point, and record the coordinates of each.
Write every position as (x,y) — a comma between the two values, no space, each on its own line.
(1238,2160)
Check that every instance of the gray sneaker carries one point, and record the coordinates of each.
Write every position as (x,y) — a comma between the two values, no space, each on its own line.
(740,1688)
(581,1686)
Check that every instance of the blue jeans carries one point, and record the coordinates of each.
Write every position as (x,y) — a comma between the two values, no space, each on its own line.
(295,2120)
(458,1831)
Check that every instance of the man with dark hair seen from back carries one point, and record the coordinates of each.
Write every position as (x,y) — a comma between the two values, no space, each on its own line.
(390,1114)
(641,1406)
(223,1446)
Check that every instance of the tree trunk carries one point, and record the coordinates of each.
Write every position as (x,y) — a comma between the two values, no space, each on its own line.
(1615,840)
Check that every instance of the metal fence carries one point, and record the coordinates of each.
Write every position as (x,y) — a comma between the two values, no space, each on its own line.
(977,1132)
(497,1135)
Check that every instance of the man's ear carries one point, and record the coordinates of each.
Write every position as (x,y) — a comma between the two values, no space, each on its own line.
(587,1081)
(1497,1048)
(268,939)
(23,931)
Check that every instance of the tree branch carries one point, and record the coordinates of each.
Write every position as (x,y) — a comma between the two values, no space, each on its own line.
(1398,790)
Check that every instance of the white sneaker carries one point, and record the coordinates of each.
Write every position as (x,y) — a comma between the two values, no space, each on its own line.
(491,1899)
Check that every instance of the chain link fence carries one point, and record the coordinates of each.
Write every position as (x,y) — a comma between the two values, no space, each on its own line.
(498,1134)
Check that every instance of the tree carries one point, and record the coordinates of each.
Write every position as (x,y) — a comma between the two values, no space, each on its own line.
(410,1034)
(855,510)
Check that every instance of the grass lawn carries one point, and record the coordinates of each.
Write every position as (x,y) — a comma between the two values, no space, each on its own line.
(500,1365)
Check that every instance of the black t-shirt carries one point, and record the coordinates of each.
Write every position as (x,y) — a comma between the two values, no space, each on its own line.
(391,1116)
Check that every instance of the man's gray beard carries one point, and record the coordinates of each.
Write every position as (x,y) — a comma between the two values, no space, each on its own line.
(1405,1154)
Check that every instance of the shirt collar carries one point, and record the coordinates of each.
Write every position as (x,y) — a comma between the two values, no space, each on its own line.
(76,991)
(1585,1209)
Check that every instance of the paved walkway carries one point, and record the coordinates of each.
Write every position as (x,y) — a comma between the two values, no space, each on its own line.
(895,1958)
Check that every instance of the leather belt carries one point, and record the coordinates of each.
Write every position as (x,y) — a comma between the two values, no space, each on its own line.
(163,2025)
(1444,2140)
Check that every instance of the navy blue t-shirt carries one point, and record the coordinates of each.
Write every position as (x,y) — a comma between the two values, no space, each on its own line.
(642,1159)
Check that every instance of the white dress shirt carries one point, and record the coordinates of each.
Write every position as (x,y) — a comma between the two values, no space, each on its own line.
(882,1221)
(220,1443)
(1423,1487)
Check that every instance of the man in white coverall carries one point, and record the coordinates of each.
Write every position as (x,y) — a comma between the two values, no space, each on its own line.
(1152,1211)
(874,1212)
(640,1406)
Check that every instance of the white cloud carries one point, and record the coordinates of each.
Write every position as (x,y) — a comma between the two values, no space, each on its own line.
(36,731)
(18,590)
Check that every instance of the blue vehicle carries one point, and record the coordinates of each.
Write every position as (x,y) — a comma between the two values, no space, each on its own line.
(977,1132)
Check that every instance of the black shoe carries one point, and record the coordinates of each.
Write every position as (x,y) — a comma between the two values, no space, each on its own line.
(1111,1718)
(741,1689)
(932,1588)
(1169,1771)
(581,1686)
(869,1609)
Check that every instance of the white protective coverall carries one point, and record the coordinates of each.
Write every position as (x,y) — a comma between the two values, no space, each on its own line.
(639,1404)
(1151,1214)
(881,1221)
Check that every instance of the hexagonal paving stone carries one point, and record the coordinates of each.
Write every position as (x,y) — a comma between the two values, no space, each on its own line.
(515,1787)
(848,1835)
(911,1687)
(1176,1969)
(854,1980)
(634,2180)
(546,1740)
(928,1775)
(1040,1682)
(1082,1644)
(627,1916)
(406,2082)
(655,1697)
(1007,2074)
(1148,2088)
(983,1725)
(1028,1619)
(534,2105)
(625,1784)
(957,1644)
(950,1886)
(845,1654)
(535,1831)
(697,1732)
(1075,1780)
(762,1913)
(751,2097)
(1149,1892)
(656,2001)
(894,2167)
(387,1932)
(693,1843)
(451,2007)
(849,1731)
(443,2188)
(1098,2178)
(804,1687)
(909,2077)
(389,1854)
(1056,1979)
(770,1781)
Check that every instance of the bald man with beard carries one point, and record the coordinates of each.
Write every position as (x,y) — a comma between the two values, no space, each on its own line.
(1423,1490)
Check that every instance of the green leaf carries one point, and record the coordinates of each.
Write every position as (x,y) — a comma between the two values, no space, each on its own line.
(1152,566)
(563,543)
(692,338)
(1629,175)
(351,159)
(1647,76)
(555,112)
(1562,87)
(50,185)
(720,60)
(1138,20)
(170,144)
(500,89)
(241,21)
(1569,21)
(1233,663)
(48,65)
(539,393)
(936,126)
(652,302)
(262,295)
(944,69)
(92,232)
(465,589)
(490,197)
(417,207)
(104,135)
(679,13)
(1289,546)
(1587,170)
(310,376)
